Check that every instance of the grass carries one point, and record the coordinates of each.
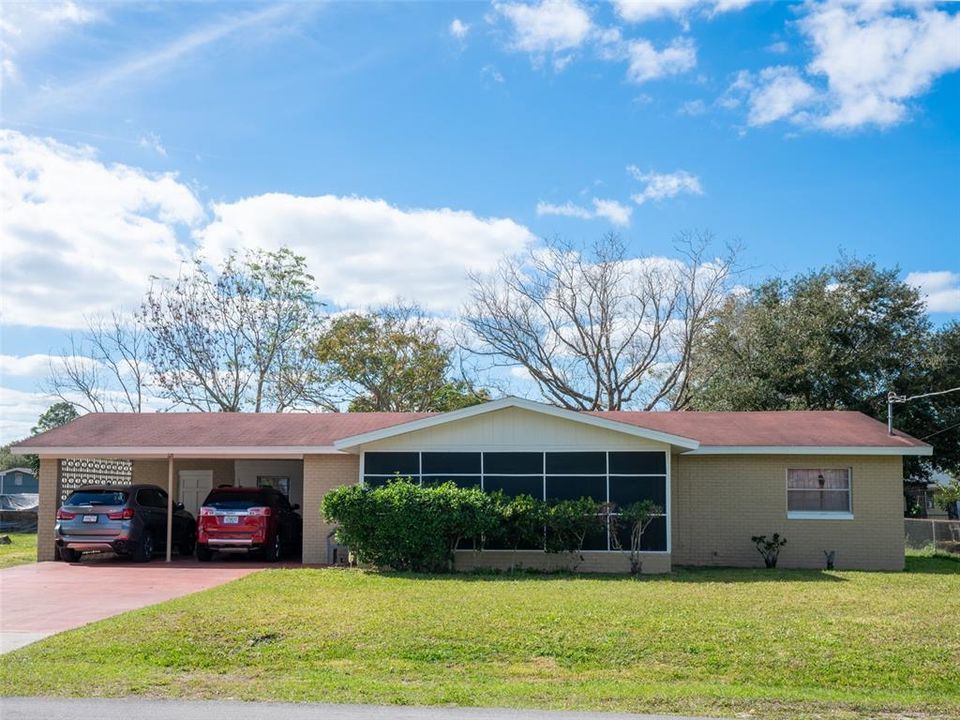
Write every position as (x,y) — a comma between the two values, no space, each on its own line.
(779,644)
(22,549)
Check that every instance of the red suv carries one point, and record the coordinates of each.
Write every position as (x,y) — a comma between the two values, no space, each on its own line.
(251,519)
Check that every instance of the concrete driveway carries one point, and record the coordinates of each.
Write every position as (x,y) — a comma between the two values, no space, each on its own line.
(42,599)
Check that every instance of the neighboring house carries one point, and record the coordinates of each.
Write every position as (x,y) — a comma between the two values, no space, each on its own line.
(17,481)
(920,498)
(827,481)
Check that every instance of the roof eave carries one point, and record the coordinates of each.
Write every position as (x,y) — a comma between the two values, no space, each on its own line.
(915,450)
(237,452)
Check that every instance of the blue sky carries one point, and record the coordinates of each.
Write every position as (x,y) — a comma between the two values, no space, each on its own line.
(397,145)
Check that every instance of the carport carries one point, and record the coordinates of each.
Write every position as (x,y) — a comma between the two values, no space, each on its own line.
(189,453)
(186,475)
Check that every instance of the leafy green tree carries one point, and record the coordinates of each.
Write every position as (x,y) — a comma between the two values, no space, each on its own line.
(947,497)
(8,460)
(521,521)
(393,360)
(943,373)
(55,416)
(635,518)
(569,522)
(838,338)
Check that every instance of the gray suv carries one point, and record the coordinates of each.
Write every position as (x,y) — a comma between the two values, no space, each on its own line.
(127,520)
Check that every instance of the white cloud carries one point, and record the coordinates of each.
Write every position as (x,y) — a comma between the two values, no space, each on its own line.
(941,289)
(151,141)
(490,71)
(19,412)
(459,29)
(868,62)
(365,251)
(637,11)
(661,186)
(876,59)
(645,62)
(159,59)
(693,107)
(777,93)
(547,26)
(611,210)
(778,48)
(616,212)
(567,209)
(31,366)
(27,27)
(80,237)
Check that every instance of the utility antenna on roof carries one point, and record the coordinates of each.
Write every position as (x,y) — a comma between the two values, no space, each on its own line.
(892,398)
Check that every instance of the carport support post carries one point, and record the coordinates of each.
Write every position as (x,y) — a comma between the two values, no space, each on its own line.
(169,507)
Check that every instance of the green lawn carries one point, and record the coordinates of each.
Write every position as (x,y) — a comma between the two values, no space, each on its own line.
(22,549)
(782,644)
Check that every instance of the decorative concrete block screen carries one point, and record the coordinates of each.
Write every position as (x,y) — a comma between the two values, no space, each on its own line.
(75,473)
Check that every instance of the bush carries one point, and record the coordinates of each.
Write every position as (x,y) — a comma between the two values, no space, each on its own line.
(404,526)
(569,522)
(521,520)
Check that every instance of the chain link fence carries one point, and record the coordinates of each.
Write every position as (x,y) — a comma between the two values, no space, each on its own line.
(942,534)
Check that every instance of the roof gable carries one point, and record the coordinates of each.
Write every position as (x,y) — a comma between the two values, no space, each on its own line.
(680,442)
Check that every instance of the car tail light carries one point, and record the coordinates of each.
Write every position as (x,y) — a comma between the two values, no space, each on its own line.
(262,511)
(207,511)
(65,515)
(125,514)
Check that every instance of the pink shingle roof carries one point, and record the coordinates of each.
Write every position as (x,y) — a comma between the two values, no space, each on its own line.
(711,429)
(783,428)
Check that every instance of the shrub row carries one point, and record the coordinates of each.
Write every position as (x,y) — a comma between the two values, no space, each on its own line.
(405,526)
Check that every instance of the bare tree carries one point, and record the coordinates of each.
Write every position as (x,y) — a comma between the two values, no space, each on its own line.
(235,340)
(596,329)
(105,366)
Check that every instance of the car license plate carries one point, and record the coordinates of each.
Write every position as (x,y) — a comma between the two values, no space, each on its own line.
(231,519)
(89,518)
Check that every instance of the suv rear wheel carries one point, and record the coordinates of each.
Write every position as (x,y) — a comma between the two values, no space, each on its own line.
(204,553)
(271,552)
(144,550)
(70,556)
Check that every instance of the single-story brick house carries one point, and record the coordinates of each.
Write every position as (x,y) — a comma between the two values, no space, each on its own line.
(828,481)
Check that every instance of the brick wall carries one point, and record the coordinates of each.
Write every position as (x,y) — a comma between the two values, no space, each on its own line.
(47,512)
(154,472)
(596,562)
(719,501)
(322,473)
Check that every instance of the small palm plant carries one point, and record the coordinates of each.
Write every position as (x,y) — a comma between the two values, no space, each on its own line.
(769,549)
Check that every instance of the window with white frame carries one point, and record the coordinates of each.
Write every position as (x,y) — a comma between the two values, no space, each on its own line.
(818,492)
(621,478)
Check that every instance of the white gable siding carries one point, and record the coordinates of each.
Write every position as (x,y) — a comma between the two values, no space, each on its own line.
(514,429)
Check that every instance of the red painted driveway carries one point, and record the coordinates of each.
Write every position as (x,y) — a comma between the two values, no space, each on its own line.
(41,599)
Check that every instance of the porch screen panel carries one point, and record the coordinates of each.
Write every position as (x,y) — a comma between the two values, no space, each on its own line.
(615,478)
(513,485)
(654,538)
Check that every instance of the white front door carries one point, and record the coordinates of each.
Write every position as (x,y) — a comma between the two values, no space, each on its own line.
(194,487)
